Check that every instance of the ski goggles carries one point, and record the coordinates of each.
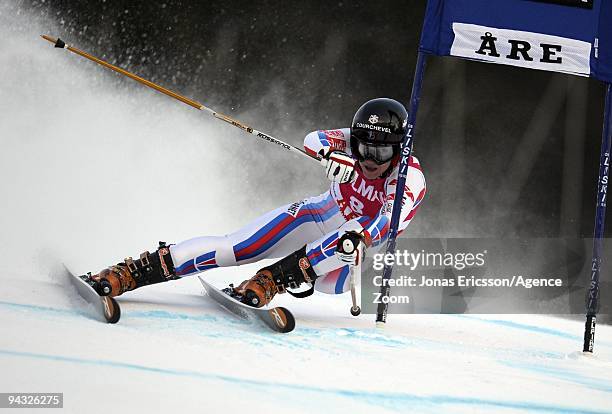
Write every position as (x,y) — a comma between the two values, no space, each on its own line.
(380,154)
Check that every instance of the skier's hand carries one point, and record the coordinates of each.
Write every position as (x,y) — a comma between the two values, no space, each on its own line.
(347,249)
(339,166)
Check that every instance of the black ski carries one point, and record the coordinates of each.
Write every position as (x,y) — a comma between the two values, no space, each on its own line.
(278,319)
(106,307)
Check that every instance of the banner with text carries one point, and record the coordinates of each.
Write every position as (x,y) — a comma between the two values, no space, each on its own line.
(568,36)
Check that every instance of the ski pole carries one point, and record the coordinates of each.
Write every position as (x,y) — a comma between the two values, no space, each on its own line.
(62,45)
(356,270)
(406,151)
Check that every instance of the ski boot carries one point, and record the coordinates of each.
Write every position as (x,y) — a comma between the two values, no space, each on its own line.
(130,274)
(289,272)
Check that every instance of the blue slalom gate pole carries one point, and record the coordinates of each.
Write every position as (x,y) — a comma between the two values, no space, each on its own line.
(592,300)
(415,96)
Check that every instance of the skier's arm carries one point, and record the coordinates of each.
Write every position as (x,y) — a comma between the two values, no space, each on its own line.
(330,146)
(320,143)
(317,144)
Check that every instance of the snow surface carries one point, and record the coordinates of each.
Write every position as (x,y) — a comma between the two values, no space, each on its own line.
(95,168)
(175,349)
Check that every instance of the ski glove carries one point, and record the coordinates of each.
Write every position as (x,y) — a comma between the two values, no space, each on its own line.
(347,249)
(339,166)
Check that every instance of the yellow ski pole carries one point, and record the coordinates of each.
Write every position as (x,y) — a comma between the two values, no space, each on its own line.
(62,45)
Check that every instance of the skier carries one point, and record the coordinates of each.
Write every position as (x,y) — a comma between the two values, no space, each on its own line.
(317,236)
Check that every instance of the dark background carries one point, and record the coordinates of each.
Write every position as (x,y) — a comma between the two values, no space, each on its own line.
(506,150)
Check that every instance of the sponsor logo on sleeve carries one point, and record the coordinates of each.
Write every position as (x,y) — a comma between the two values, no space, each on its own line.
(333,133)
(336,139)
(338,144)
(294,208)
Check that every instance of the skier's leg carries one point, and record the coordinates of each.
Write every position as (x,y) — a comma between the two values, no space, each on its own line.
(335,282)
(149,268)
(272,235)
(313,261)
(338,280)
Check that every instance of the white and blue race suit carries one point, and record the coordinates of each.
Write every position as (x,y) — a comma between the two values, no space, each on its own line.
(363,205)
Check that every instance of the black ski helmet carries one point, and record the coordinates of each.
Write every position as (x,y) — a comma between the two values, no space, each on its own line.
(379,122)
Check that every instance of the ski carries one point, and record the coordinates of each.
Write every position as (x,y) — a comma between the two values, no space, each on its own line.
(106,307)
(278,319)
